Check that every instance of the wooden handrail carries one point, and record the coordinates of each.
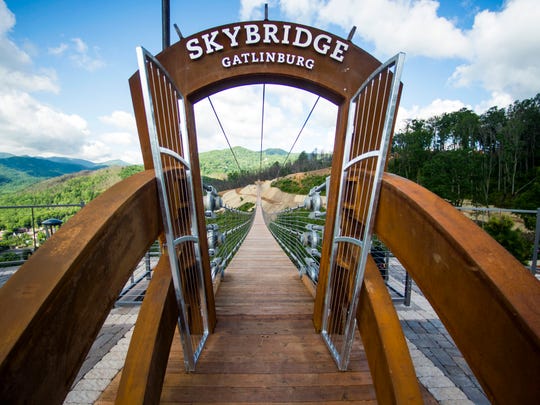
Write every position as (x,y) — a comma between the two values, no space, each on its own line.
(148,354)
(486,299)
(390,363)
(54,306)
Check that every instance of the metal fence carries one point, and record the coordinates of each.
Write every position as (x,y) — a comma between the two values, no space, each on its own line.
(299,231)
(135,289)
(226,229)
(476,212)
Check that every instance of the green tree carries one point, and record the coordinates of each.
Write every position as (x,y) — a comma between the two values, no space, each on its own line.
(411,149)
(502,230)
(491,124)
(451,175)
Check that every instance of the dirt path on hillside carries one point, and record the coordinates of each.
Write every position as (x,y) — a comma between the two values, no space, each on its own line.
(273,199)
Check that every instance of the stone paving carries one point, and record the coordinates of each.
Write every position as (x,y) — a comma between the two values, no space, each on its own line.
(6,273)
(426,335)
(106,357)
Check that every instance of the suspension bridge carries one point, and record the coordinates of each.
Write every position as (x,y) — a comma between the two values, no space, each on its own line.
(264,345)
(220,327)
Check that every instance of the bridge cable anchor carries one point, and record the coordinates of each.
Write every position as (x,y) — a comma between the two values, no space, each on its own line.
(351,34)
(178,32)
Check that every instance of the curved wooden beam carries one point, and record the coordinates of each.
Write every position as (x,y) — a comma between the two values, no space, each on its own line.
(388,356)
(55,305)
(148,354)
(486,299)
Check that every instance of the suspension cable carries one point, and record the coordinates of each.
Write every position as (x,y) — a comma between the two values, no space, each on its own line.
(225,135)
(298,136)
(262,128)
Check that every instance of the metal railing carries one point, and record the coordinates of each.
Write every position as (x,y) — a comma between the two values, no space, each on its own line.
(396,278)
(53,211)
(299,231)
(135,289)
(226,229)
(475,211)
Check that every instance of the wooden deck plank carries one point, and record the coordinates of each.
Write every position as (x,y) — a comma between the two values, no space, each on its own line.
(265,348)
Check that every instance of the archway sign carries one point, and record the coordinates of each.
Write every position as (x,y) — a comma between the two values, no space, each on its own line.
(366,93)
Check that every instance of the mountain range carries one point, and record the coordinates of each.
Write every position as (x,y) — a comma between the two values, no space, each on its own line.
(221,163)
(17,172)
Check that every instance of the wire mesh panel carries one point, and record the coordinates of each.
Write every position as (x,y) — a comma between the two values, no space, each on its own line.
(170,152)
(371,118)
(226,229)
(299,231)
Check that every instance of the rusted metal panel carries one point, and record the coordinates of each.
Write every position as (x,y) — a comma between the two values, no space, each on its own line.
(326,250)
(366,148)
(200,63)
(146,361)
(201,221)
(141,120)
(55,304)
(486,299)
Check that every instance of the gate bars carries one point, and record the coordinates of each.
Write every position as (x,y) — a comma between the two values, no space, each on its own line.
(165,114)
(368,137)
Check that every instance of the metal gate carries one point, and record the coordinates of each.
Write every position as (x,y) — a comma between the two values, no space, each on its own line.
(370,125)
(166,120)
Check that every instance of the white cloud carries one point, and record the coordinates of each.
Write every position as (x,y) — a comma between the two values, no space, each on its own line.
(121,143)
(121,120)
(112,145)
(80,54)
(500,52)
(12,56)
(28,126)
(16,65)
(59,50)
(286,109)
(506,51)
(410,26)
(253,9)
(302,10)
(83,58)
(27,81)
(497,99)
(436,107)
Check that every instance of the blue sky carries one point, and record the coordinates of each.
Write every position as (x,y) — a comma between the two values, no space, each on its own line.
(64,67)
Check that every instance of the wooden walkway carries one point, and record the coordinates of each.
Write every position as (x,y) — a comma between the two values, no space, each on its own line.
(264,349)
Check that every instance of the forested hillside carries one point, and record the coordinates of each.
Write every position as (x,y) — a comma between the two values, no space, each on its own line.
(303,162)
(18,172)
(488,159)
(67,189)
(220,164)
